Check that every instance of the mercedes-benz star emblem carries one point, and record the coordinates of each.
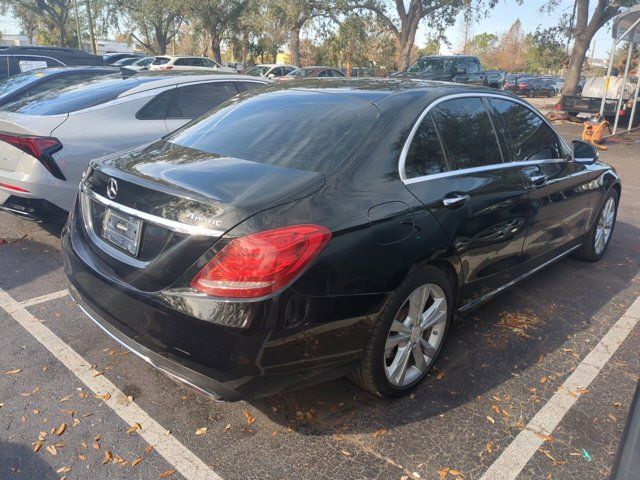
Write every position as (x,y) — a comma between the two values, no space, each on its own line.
(112,188)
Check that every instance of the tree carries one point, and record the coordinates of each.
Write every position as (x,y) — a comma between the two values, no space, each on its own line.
(545,51)
(216,18)
(403,20)
(153,23)
(53,14)
(583,32)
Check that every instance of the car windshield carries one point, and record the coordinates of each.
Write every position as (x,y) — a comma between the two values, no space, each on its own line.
(78,97)
(300,72)
(304,130)
(258,71)
(432,65)
(12,84)
(160,61)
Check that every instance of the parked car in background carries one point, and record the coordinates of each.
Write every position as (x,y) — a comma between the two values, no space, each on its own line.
(534,87)
(35,82)
(126,61)
(555,82)
(14,60)
(47,141)
(270,70)
(141,65)
(447,68)
(300,234)
(112,58)
(512,79)
(495,78)
(176,62)
(313,72)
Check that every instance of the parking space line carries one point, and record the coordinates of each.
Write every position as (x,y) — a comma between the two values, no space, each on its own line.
(174,452)
(514,458)
(44,298)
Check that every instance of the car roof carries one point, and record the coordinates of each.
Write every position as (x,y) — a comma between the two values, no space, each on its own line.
(152,79)
(377,91)
(15,50)
(79,69)
(181,56)
(275,65)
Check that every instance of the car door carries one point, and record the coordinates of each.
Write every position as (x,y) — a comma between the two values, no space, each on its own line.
(455,167)
(475,75)
(194,100)
(558,192)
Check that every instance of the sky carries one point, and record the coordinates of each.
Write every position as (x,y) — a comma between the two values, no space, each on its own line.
(508,11)
(498,21)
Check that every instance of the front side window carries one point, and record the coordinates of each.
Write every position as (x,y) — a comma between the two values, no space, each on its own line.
(192,101)
(473,66)
(467,133)
(208,63)
(529,136)
(425,156)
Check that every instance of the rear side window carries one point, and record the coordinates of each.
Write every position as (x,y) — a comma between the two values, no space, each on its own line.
(247,86)
(298,129)
(60,82)
(160,61)
(425,156)
(156,108)
(529,137)
(94,92)
(193,101)
(467,132)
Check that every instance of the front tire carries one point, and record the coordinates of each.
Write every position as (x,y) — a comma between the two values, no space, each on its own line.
(408,335)
(597,240)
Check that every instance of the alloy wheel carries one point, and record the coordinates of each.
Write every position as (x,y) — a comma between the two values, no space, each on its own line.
(415,335)
(605,225)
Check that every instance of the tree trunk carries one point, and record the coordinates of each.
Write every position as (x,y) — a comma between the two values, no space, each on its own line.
(215,44)
(295,46)
(245,48)
(578,54)
(406,41)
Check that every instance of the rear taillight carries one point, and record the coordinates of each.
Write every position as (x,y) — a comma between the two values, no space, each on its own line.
(166,67)
(41,148)
(261,263)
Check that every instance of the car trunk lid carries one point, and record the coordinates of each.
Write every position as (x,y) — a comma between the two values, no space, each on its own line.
(185,200)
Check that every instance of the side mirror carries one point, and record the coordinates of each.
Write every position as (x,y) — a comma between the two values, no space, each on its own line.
(582,152)
(271,76)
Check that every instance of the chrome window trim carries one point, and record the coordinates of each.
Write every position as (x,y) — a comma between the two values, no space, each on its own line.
(31,55)
(407,144)
(164,222)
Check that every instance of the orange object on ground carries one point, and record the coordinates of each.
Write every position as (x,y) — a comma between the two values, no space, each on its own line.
(592,131)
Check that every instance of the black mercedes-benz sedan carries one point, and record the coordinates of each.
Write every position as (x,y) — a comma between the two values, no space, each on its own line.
(306,231)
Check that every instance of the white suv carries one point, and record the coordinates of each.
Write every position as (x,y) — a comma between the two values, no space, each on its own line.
(178,62)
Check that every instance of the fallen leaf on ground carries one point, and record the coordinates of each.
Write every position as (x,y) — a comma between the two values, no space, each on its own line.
(227,427)
(168,473)
(377,433)
(37,445)
(443,472)
(613,418)
(134,427)
(63,470)
(496,409)
(104,396)
(13,372)
(96,445)
(61,429)
(52,450)
(148,449)
(345,453)
(490,447)
(82,457)
(491,419)
(107,456)
(201,431)
(543,380)
(546,438)
(76,422)
(456,472)
(136,461)
(248,416)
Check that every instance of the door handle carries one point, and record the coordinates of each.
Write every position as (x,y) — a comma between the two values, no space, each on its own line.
(455,201)
(538,180)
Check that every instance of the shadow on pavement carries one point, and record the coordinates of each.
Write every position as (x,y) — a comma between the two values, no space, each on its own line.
(481,354)
(18,461)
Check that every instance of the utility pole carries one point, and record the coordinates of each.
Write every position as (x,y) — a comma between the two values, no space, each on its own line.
(92,35)
(75,5)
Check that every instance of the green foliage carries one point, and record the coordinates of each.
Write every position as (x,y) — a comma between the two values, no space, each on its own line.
(544,52)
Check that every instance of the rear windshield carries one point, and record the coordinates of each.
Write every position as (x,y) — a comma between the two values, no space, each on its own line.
(297,129)
(160,61)
(93,92)
(12,84)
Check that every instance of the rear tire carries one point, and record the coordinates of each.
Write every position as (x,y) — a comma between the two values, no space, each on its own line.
(597,240)
(401,351)
(532,94)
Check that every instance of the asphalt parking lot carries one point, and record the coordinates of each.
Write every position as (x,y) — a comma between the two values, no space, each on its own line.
(534,385)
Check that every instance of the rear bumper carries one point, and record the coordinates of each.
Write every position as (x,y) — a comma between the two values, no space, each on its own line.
(34,209)
(225,362)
